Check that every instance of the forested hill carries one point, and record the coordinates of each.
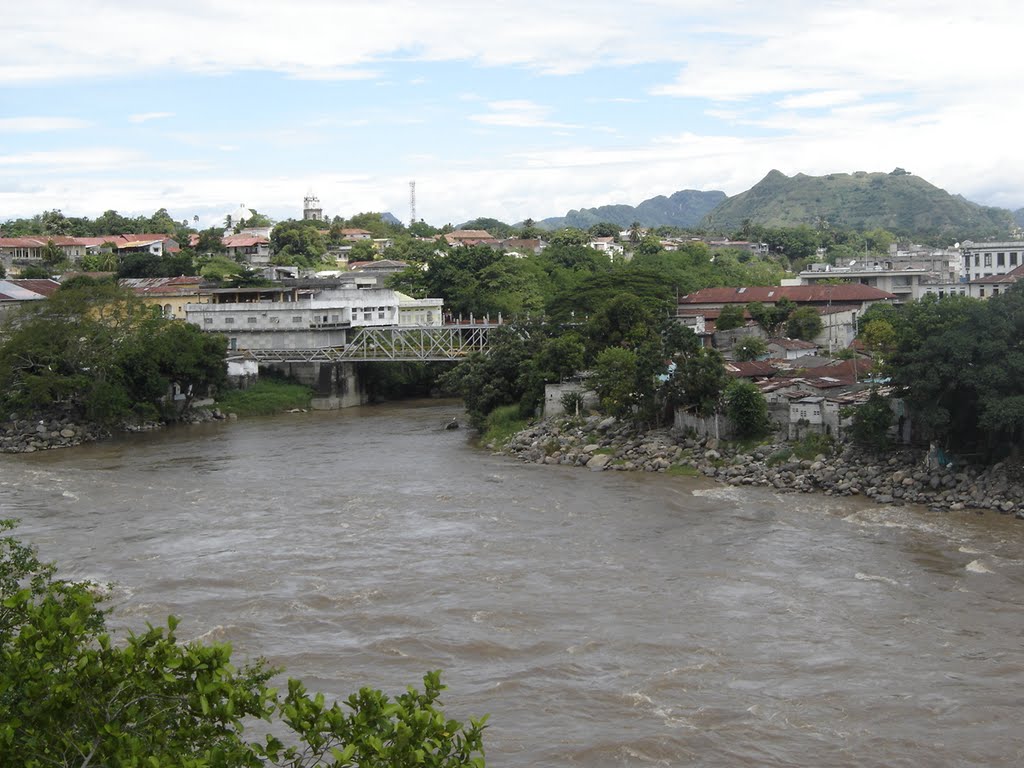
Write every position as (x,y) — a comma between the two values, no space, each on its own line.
(683,209)
(898,201)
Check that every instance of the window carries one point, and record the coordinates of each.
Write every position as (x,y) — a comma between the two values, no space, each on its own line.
(335,318)
(296,318)
(995,291)
(1013,258)
(988,259)
(380,313)
(981,292)
(1000,259)
(229,321)
(207,319)
(275,320)
(977,260)
(250,319)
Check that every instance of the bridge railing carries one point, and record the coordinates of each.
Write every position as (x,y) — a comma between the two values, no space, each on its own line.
(391,343)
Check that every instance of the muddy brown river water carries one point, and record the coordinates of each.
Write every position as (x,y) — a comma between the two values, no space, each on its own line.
(602,619)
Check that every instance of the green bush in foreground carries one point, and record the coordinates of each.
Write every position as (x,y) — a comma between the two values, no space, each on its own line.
(265,397)
(70,695)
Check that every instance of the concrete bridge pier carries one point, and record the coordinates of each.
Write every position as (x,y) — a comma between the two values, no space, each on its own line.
(335,385)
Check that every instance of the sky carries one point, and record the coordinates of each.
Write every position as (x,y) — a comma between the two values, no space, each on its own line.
(501,109)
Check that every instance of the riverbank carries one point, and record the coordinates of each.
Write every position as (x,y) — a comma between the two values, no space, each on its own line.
(901,477)
(45,432)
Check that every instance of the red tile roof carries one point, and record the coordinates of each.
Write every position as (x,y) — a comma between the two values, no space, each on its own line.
(243,241)
(847,292)
(751,369)
(42,286)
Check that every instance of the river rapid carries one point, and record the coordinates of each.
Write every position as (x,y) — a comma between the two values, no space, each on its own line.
(601,619)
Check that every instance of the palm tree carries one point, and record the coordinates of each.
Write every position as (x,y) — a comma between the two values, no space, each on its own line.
(635,233)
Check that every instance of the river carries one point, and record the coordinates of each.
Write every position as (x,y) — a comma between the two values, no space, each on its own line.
(601,619)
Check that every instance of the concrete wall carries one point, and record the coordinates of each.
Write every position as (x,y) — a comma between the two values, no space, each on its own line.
(553,396)
(711,426)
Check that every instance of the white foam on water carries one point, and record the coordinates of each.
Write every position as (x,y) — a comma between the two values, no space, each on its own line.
(976,566)
(869,577)
(729,492)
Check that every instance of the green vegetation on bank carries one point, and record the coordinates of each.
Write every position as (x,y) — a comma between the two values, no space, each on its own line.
(501,423)
(95,351)
(265,398)
(71,694)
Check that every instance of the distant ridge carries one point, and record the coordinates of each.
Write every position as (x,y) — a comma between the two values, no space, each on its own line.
(685,209)
(898,201)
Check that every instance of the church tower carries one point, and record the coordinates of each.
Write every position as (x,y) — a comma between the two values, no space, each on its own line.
(311,208)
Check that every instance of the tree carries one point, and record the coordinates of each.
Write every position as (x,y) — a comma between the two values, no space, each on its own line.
(871,422)
(298,240)
(211,241)
(648,245)
(52,254)
(604,229)
(698,382)
(506,375)
(635,232)
(746,408)
(731,316)
(569,236)
(95,349)
(805,323)
(614,381)
(749,348)
(73,695)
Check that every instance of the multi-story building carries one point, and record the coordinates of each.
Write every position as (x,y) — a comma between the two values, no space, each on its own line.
(295,318)
(990,259)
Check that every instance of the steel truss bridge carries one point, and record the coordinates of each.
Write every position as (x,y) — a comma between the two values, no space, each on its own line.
(389,344)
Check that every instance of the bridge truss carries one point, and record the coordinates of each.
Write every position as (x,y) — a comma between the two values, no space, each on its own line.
(394,344)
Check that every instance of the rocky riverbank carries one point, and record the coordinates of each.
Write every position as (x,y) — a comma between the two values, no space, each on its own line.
(62,430)
(898,478)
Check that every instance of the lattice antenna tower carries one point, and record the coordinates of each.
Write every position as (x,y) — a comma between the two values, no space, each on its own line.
(412,203)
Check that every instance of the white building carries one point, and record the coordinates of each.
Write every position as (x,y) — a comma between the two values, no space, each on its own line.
(991,259)
(287,318)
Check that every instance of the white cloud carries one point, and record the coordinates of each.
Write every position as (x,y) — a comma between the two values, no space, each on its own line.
(40,124)
(145,117)
(517,113)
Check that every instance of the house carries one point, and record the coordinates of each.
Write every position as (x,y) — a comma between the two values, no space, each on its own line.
(607,245)
(986,287)
(250,248)
(471,237)
(419,312)
(351,233)
(838,305)
(907,283)
(523,245)
(15,293)
(170,294)
(743,245)
(755,369)
(791,349)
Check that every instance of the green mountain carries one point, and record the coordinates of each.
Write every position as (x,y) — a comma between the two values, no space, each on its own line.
(899,202)
(1018,217)
(683,209)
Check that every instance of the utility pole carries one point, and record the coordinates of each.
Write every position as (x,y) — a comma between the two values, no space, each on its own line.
(412,203)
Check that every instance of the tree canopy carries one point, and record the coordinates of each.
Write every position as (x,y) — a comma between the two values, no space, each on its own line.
(95,349)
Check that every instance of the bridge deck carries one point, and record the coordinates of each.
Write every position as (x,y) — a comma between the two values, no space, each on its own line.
(390,344)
